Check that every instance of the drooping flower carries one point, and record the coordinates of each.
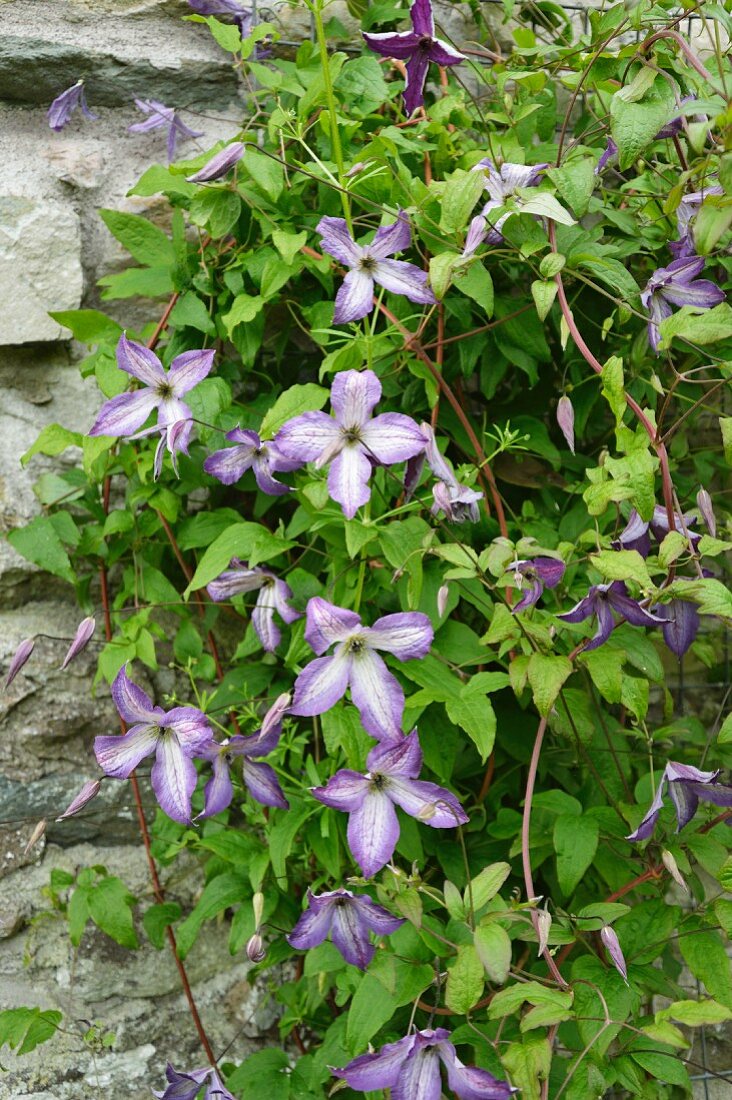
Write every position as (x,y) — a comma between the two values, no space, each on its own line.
(681,624)
(635,535)
(540,573)
(21,655)
(565,419)
(175,736)
(250,453)
(186,1086)
(608,155)
(161,389)
(349,918)
(175,438)
(219,164)
(609,937)
(353,441)
(369,800)
(65,104)
(242,17)
(356,664)
(273,596)
(369,264)
(411,1069)
(84,634)
(418,48)
(602,600)
(457,502)
(502,184)
(677,285)
(260,779)
(686,213)
(159,117)
(686,787)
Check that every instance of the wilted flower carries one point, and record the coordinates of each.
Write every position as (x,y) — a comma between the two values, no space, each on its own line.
(65,104)
(84,634)
(602,600)
(686,787)
(610,939)
(418,48)
(20,657)
(540,573)
(502,184)
(273,596)
(89,791)
(456,501)
(686,213)
(677,285)
(680,626)
(174,736)
(161,389)
(220,164)
(411,1069)
(369,264)
(158,117)
(565,420)
(373,827)
(349,918)
(356,664)
(250,453)
(260,779)
(353,441)
(241,16)
(186,1086)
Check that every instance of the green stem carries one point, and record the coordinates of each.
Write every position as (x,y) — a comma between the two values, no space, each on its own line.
(317,10)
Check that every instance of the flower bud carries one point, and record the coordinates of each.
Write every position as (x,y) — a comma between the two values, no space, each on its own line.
(84,634)
(35,836)
(442,594)
(20,656)
(610,939)
(257,907)
(219,164)
(89,791)
(543,921)
(565,420)
(255,948)
(704,504)
(673,869)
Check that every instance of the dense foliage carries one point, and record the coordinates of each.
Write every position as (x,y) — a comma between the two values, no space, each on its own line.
(491,474)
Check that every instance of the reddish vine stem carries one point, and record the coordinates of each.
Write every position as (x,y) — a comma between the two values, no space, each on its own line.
(685,49)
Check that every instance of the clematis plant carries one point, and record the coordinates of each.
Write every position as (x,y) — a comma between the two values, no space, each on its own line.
(250,453)
(349,918)
(64,105)
(369,800)
(220,164)
(455,501)
(260,779)
(538,574)
(677,285)
(187,1086)
(356,663)
(502,184)
(686,787)
(602,600)
(273,597)
(160,117)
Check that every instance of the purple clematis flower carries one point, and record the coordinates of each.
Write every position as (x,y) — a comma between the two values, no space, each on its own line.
(231,463)
(681,624)
(260,779)
(686,213)
(242,17)
(677,285)
(411,1069)
(418,48)
(161,390)
(349,918)
(635,535)
(602,600)
(65,104)
(456,501)
(273,596)
(160,116)
(369,264)
(369,800)
(686,787)
(608,155)
(502,184)
(186,1086)
(356,664)
(219,164)
(540,573)
(174,736)
(352,442)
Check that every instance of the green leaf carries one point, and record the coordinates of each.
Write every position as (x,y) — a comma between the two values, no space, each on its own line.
(218,894)
(487,883)
(40,544)
(575,181)
(698,328)
(282,837)
(293,402)
(613,386)
(493,946)
(266,172)
(27,1028)
(544,205)
(218,209)
(612,273)
(249,541)
(622,565)
(52,441)
(695,1013)
(705,955)
(342,731)
(546,677)
(190,312)
(110,907)
(606,669)
(147,282)
(575,843)
(543,294)
(441,269)
(88,326)
(475,282)
(634,125)
(157,918)
(454,901)
(723,738)
(713,219)
(145,242)
(160,179)
(244,309)
(369,1010)
(476,716)
(459,196)
(266,1072)
(528,1064)
(465,980)
(507,1001)
(288,244)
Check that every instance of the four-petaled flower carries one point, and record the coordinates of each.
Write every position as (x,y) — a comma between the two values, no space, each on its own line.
(356,664)
(677,285)
(458,502)
(369,264)
(159,116)
(602,600)
(251,453)
(349,918)
(411,1069)
(502,184)
(260,779)
(273,596)
(369,800)
(353,441)
(418,48)
(540,573)
(686,787)
(175,736)
(65,104)
(186,1086)
(161,390)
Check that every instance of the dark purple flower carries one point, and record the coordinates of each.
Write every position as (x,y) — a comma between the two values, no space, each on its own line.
(411,1069)
(161,390)
(369,800)
(242,17)
(186,1086)
(260,779)
(602,600)
(457,502)
(611,942)
(565,419)
(19,658)
(681,624)
(686,787)
(635,535)
(502,184)
(65,104)
(608,155)
(353,441)
(540,573)
(273,596)
(369,264)
(158,117)
(686,213)
(174,736)
(220,164)
(84,634)
(89,791)
(677,285)
(356,664)
(676,125)
(349,918)
(231,463)
(418,48)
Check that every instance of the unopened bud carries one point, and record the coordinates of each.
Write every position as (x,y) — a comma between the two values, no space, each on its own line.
(257,907)
(84,634)
(442,594)
(89,791)
(565,420)
(255,948)
(20,656)
(610,939)
(704,504)
(543,920)
(35,836)
(673,869)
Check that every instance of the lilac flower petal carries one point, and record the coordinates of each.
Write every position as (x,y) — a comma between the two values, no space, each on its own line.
(119,755)
(345,791)
(433,805)
(84,634)
(550,570)
(687,773)
(171,410)
(182,1086)
(659,310)
(531,596)
(229,464)
(631,610)
(305,437)
(402,757)
(407,635)
(685,801)
(604,629)
(350,936)
(703,294)
(216,1090)
(704,504)
(389,239)
(373,832)
(476,234)
(420,1077)
(140,362)
(263,784)
(266,629)
(417,68)
(64,106)
(173,779)
(220,164)
(263,465)
(234,581)
(412,475)
(400,45)
(716,793)
(377,694)
(355,297)
(321,684)
(401,277)
(370,1072)
(648,824)
(681,626)
(328,624)
(191,728)
(378,919)
(348,479)
(124,414)
(353,395)
(312,927)
(21,655)
(281,593)
(338,242)
(188,369)
(132,703)
(580,611)
(609,938)
(89,791)
(219,790)
(471,1083)
(392,437)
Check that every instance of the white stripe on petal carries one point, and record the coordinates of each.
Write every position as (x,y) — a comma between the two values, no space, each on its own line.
(377,694)
(173,778)
(348,479)
(373,832)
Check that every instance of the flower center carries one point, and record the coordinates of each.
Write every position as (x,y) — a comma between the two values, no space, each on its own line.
(352,435)
(356,645)
(367,263)
(340,902)
(379,782)
(164,390)
(425,42)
